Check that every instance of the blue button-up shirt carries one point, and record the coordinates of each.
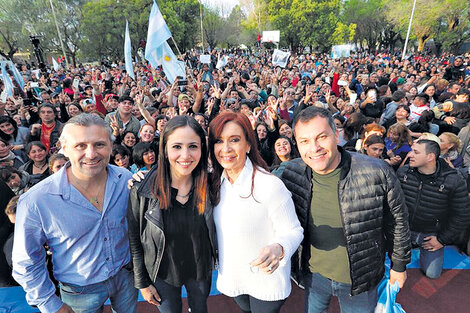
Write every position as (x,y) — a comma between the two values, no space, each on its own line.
(87,246)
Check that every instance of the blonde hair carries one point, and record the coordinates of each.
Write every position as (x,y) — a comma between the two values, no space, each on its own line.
(454,140)
(11,206)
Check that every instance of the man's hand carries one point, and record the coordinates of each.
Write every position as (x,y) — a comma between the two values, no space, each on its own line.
(431,244)
(65,309)
(151,295)
(397,276)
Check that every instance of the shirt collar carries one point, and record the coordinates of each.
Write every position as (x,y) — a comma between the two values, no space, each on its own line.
(61,185)
(244,179)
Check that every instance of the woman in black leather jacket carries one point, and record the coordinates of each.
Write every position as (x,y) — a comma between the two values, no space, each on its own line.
(171,228)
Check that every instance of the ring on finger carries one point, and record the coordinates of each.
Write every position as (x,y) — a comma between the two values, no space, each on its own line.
(270,268)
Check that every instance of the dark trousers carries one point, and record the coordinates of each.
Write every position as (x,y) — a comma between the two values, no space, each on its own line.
(198,291)
(250,304)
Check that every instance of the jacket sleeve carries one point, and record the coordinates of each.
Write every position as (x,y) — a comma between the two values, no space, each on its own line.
(458,215)
(141,276)
(397,230)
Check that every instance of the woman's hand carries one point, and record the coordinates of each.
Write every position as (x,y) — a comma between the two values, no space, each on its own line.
(269,258)
(137,177)
(151,295)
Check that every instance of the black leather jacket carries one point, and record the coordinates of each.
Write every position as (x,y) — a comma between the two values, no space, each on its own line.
(439,203)
(146,233)
(373,213)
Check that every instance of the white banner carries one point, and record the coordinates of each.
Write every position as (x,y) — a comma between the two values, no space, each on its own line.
(341,51)
(280,58)
(205,58)
(271,36)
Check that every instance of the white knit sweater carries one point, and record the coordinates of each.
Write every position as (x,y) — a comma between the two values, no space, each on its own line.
(247,224)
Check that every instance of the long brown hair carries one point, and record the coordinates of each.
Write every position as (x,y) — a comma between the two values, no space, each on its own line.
(161,186)
(215,129)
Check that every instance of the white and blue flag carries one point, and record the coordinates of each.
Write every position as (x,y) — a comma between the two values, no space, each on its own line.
(55,65)
(16,74)
(8,91)
(128,53)
(157,34)
(171,65)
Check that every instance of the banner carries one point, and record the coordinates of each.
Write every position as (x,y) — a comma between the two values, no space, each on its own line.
(271,36)
(280,58)
(205,58)
(341,51)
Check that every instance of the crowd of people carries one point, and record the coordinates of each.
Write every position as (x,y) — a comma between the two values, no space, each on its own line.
(313,171)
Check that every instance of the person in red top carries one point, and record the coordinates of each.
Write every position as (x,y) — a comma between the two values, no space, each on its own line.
(48,131)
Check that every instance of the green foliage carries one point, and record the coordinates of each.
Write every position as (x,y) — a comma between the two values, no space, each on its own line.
(94,28)
(426,18)
(454,28)
(213,25)
(369,16)
(314,23)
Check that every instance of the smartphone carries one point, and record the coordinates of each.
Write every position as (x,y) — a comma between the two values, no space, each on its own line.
(182,82)
(27,102)
(34,85)
(373,94)
(75,83)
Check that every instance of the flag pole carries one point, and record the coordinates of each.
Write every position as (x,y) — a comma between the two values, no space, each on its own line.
(409,29)
(58,33)
(179,52)
(202,29)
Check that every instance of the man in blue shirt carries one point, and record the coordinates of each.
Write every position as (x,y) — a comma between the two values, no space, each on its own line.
(80,213)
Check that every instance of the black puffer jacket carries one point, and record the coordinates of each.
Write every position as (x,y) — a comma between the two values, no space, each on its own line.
(146,233)
(373,213)
(439,203)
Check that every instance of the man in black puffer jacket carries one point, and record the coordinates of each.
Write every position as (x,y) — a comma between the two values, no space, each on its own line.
(352,210)
(437,199)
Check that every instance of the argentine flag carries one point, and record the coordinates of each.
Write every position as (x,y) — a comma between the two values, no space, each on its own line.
(128,52)
(157,34)
(171,65)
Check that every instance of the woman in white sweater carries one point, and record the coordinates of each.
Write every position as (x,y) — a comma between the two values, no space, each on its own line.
(256,225)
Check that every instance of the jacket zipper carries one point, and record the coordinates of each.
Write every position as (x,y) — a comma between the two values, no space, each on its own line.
(347,245)
(150,219)
(418,198)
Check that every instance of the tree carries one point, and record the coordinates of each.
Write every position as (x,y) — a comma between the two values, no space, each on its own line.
(213,25)
(372,29)
(454,28)
(426,18)
(314,23)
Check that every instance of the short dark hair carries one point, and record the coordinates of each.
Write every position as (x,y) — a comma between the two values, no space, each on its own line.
(124,98)
(139,150)
(310,113)
(7,171)
(430,146)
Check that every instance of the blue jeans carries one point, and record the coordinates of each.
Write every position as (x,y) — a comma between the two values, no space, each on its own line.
(198,291)
(91,298)
(430,262)
(319,289)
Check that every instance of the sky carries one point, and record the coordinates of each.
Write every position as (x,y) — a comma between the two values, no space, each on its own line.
(225,5)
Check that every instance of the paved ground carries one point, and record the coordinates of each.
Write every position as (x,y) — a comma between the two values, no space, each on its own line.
(448,294)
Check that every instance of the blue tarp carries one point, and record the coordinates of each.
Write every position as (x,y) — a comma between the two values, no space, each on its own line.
(12,300)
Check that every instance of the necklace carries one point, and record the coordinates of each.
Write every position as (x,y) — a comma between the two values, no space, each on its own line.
(185,196)
(93,200)
(39,167)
